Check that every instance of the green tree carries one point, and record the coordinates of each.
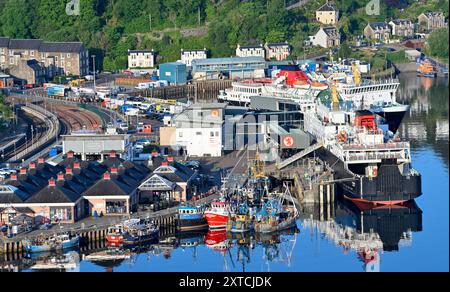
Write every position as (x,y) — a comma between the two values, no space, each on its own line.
(17,16)
(438,43)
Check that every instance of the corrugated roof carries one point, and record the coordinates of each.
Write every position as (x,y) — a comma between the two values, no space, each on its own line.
(4,42)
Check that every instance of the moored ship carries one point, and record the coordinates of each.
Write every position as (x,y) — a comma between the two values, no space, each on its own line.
(217,215)
(191,218)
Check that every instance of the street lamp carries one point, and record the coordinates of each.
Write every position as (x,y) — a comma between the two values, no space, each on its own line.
(93,67)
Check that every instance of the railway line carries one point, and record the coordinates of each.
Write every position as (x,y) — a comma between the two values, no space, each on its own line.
(76,119)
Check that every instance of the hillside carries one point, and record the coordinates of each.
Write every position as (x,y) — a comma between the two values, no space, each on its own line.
(110,27)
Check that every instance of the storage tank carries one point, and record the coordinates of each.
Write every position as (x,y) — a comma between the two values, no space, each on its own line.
(175,73)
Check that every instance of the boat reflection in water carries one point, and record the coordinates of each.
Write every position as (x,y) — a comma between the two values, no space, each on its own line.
(68,261)
(368,231)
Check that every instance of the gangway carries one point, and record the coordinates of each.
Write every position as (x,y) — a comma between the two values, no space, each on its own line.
(300,155)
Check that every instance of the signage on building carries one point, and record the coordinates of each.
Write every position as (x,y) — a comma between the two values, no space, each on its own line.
(288,142)
(215,113)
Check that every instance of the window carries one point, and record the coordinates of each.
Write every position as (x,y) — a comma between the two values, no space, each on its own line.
(217,133)
(212,134)
(56,59)
(180,134)
(198,133)
(11,61)
(68,55)
(69,64)
(32,53)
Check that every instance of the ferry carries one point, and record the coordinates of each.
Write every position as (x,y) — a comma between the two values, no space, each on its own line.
(370,164)
(191,218)
(217,215)
(426,69)
(54,243)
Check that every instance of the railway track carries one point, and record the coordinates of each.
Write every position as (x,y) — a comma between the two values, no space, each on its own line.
(76,119)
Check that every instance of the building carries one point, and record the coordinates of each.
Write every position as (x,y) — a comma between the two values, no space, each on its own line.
(413,55)
(431,20)
(237,67)
(402,28)
(278,51)
(72,189)
(175,73)
(139,59)
(326,37)
(378,31)
(327,14)
(29,72)
(6,81)
(59,58)
(187,56)
(251,51)
(201,129)
(171,181)
(91,145)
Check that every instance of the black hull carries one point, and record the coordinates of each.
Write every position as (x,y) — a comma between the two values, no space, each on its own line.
(389,185)
(191,224)
(389,223)
(394,119)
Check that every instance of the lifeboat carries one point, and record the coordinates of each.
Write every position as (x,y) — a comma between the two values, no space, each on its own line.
(318,85)
(426,69)
(302,84)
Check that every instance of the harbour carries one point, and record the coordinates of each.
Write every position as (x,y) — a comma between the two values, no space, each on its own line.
(316,235)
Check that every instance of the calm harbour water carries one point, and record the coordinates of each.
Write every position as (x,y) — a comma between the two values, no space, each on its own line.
(413,240)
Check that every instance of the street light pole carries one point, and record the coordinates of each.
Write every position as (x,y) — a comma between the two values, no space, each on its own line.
(93,64)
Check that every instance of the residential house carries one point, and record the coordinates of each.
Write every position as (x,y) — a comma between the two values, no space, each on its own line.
(29,71)
(187,56)
(250,51)
(402,28)
(278,51)
(141,59)
(59,58)
(431,20)
(326,37)
(378,31)
(327,14)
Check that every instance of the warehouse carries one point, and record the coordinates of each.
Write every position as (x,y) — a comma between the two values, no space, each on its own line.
(175,73)
(237,67)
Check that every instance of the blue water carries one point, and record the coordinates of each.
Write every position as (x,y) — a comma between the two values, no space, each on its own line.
(311,249)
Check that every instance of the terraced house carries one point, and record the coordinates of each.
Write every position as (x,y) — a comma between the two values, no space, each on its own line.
(402,27)
(378,31)
(58,58)
(431,20)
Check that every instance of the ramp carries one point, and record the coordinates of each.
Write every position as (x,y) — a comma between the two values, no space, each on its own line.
(300,155)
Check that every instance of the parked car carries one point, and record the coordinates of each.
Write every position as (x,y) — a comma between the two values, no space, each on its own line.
(89,77)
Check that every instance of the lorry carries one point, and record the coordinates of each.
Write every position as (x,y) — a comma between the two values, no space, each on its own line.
(56,90)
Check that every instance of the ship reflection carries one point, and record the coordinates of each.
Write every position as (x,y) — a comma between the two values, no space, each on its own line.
(367,231)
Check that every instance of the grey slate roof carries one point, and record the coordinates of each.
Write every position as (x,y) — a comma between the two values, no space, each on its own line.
(11,194)
(4,42)
(327,7)
(67,47)
(54,194)
(375,25)
(111,187)
(252,47)
(20,44)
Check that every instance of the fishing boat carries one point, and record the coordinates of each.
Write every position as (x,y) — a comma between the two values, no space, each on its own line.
(217,215)
(54,243)
(191,218)
(141,235)
(275,216)
(241,220)
(69,262)
(115,234)
(426,69)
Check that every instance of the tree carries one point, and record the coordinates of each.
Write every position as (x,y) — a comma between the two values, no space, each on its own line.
(438,43)
(17,16)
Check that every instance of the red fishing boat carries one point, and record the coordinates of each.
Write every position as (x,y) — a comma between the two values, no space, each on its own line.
(115,235)
(217,240)
(217,215)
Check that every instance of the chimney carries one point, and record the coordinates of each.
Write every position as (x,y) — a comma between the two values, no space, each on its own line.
(114,170)
(60,176)
(164,163)
(112,154)
(23,170)
(13,176)
(52,182)
(154,153)
(77,165)
(32,165)
(107,176)
(41,160)
(170,159)
(69,171)
(70,154)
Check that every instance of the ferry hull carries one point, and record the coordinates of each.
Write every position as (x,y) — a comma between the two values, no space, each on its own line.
(390,186)
(393,118)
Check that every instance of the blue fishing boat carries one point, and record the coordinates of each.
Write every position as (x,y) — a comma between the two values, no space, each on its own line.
(141,235)
(191,218)
(241,221)
(54,243)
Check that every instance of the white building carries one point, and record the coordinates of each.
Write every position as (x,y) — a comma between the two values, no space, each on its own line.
(141,59)
(278,51)
(250,51)
(187,56)
(326,37)
(202,129)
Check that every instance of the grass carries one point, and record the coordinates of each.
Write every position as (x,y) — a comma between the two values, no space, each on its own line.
(397,57)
